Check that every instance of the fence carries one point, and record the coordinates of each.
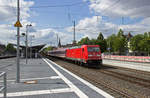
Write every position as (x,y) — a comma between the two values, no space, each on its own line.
(4,87)
(145,59)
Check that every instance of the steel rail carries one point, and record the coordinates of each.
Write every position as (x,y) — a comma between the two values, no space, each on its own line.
(132,79)
(102,83)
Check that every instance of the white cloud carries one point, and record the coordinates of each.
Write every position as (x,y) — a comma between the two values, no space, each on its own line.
(140,27)
(7,34)
(8,9)
(113,9)
(49,36)
(8,16)
(119,8)
(88,26)
(92,26)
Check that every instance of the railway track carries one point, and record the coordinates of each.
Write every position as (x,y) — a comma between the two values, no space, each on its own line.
(131,70)
(104,84)
(132,79)
(122,92)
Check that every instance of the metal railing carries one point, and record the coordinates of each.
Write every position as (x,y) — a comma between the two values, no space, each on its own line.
(4,87)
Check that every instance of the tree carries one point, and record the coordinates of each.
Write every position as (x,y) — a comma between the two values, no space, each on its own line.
(134,43)
(148,45)
(10,49)
(120,33)
(100,36)
(84,41)
(117,43)
(47,49)
(110,42)
(141,43)
(144,44)
(145,35)
(149,34)
(120,45)
(101,42)
(120,42)
(93,41)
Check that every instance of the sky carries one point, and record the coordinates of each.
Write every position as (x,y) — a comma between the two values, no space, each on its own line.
(50,18)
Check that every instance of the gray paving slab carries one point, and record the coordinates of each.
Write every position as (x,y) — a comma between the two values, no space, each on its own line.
(44,84)
(6,62)
(49,83)
(36,68)
(7,65)
(86,89)
(62,95)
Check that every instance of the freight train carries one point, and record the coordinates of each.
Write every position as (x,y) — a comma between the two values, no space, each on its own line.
(84,54)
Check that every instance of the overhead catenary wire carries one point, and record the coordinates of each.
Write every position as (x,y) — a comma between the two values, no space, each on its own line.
(72,4)
(65,5)
(112,5)
(47,6)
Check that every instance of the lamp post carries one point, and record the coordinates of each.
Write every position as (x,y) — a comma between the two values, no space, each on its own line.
(18,44)
(27,42)
(22,35)
(32,36)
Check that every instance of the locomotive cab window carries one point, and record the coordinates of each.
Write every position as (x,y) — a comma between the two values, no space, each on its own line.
(93,49)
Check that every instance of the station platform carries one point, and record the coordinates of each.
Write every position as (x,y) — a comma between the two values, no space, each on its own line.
(42,78)
(125,64)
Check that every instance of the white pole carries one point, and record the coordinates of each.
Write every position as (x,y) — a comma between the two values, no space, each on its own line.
(31,47)
(18,44)
(26,44)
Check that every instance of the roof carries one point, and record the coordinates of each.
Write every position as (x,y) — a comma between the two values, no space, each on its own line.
(36,47)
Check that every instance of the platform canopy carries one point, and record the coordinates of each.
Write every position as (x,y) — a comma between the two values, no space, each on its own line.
(36,47)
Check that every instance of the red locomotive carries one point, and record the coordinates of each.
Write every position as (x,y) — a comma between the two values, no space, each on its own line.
(85,54)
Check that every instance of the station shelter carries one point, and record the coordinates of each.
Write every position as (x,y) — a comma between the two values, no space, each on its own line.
(32,51)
